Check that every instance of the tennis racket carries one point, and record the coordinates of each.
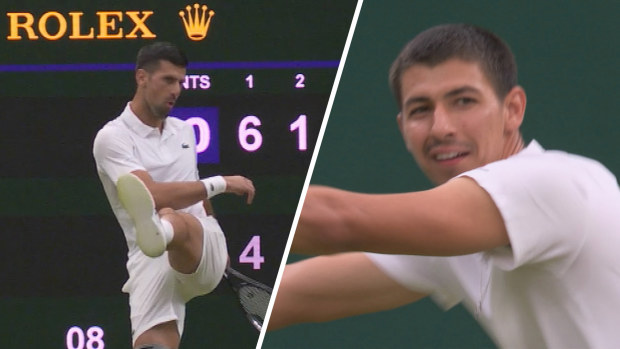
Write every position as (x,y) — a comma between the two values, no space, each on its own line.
(253,296)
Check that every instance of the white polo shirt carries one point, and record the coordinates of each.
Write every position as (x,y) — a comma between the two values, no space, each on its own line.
(558,283)
(125,144)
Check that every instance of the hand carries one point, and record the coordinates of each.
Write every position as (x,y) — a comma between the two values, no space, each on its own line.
(240,185)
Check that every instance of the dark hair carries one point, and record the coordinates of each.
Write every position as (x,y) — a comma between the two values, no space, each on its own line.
(469,43)
(150,55)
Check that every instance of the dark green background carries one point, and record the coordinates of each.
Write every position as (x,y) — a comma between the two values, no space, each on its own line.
(567,53)
(62,259)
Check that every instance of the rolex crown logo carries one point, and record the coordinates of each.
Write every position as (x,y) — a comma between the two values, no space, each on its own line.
(196,22)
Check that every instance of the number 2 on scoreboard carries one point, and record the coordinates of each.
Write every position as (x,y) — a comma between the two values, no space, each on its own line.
(251,253)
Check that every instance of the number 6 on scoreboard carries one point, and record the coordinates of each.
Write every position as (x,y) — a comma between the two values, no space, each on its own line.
(251,253)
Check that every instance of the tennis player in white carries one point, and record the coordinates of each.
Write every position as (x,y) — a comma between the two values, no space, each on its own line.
(527,239)
(147,164)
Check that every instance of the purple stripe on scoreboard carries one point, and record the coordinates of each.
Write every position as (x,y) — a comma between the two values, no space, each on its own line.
(77,67)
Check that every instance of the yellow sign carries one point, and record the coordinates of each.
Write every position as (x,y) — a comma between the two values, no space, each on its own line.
(110,25)
(197,23)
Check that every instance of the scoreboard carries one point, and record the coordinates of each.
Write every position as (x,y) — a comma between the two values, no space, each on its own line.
(256,89)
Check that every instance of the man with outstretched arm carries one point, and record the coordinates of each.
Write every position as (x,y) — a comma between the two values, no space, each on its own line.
(525,238)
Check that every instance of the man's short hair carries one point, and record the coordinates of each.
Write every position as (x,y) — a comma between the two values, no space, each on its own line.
(149,56)
(466,42)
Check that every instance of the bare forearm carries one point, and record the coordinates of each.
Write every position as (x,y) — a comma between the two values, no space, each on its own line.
(327,288)
(206,203)
(175,195)
(456,218)
(178,195)
(322,225)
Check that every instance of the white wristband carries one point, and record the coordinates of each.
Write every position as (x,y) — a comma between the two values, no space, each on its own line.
(215,185)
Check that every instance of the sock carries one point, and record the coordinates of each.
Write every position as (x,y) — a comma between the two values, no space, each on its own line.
(168,230)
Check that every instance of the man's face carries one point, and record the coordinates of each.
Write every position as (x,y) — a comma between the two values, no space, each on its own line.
(162,87)
(451,119)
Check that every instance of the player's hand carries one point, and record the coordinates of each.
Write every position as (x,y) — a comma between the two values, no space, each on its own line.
(241,186)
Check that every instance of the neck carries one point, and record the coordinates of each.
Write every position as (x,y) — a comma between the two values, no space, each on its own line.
(144,113)
(514,145)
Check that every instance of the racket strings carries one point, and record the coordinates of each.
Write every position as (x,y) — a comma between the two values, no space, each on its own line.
(254,300)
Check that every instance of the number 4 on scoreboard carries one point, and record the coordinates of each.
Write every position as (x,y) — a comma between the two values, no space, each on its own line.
(251,253)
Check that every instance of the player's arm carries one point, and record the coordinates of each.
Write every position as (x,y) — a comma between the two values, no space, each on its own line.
(206,203)
(332,287)
(112,150)
(179,195)
(458,217)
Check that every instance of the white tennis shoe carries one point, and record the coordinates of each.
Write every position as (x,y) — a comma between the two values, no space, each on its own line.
(139,203)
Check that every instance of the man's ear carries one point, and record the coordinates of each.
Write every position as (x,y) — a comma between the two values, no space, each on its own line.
(141,76)
(514,109)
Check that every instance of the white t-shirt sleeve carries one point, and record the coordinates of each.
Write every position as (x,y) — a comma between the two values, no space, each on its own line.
(424,274)
(113,153)
(541,201)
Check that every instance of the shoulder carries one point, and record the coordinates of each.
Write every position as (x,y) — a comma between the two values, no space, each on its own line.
(545,184)
(113,137)
(544,169)
(549,202)
(555,190)
(112,130)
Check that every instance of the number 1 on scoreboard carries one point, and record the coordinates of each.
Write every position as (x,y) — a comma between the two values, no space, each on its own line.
(250,81)
(299,125)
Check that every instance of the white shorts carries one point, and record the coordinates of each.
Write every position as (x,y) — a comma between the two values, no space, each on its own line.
(158,293)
